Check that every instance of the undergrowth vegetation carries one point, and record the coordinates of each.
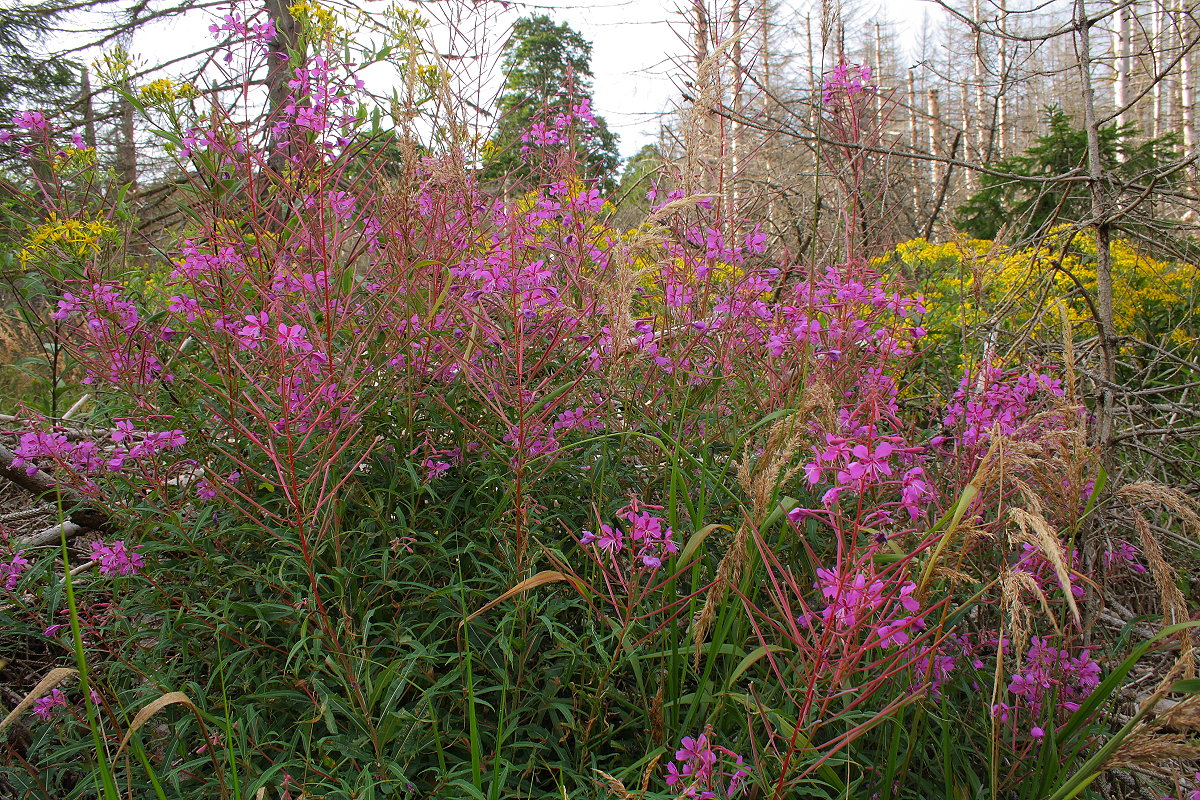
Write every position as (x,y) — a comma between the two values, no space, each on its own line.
(374,483)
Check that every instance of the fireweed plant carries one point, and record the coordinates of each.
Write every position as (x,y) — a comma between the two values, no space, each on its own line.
(413,490)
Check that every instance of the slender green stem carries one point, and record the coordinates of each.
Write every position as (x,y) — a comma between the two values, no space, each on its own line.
(110,785)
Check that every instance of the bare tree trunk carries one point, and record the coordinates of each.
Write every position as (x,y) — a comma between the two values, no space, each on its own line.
(764,55)
(764,67)
(966,126)
(1156,92)
(736,130)
(703,134)
(934,113)
(286,39)
(1104,439)
(1121,57)
(877,100)
(126,145)
(89,109)
(700,32)
(1100,220)
(912,139)
(1187,99)
(1002,90)
(973,122)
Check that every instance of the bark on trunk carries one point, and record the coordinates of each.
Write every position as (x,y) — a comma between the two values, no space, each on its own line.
(126,146)
(1100,221)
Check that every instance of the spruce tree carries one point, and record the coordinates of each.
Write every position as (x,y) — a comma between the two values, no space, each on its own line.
(547,68)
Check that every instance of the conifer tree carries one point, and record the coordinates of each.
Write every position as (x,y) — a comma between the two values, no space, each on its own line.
(548,71)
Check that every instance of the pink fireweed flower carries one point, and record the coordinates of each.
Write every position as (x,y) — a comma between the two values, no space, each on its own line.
(44,707)
(124,430)
(850,79)
(915,490)
(756,241)
(35,444)
(116,558)
(705,771)
(182,304)
(997,400)
(867,465)
(611,540)
(250,333)
(30,120)
(12,570)
(434,469)
(292,337)
(1124,554)
(859,599)
(649,537)
(697,749)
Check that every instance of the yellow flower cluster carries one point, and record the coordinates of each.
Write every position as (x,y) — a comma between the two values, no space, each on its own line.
(56,236)
(72,160)
(430,75)
(967,279)
(114,66)
(930,253)
(165,91)
(315,19)
(406,18)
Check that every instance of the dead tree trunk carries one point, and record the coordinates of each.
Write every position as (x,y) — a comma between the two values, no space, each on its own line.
(934,113)
(89,109)
(1121,60)
(286,39)
(1101,223)
(126,144)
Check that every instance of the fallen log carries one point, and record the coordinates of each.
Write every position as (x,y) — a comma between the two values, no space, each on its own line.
(76,509)
(51,535)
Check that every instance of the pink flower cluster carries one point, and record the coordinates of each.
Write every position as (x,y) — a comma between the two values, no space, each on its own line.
(110,325)
(12,570)
(1050,676)
(30,121)
(1122,553)
(44,706)
(321,102)
(87,457)
(558,129)
(648,538)
(846,79)
(1034,563)
(935,664)
(261,32)
(856,600)
(997,401)
(115,558)
(705,771)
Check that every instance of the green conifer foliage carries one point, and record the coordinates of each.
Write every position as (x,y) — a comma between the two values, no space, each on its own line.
(547,69)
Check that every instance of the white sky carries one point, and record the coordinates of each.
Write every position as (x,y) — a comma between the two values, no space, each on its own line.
(636,50)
